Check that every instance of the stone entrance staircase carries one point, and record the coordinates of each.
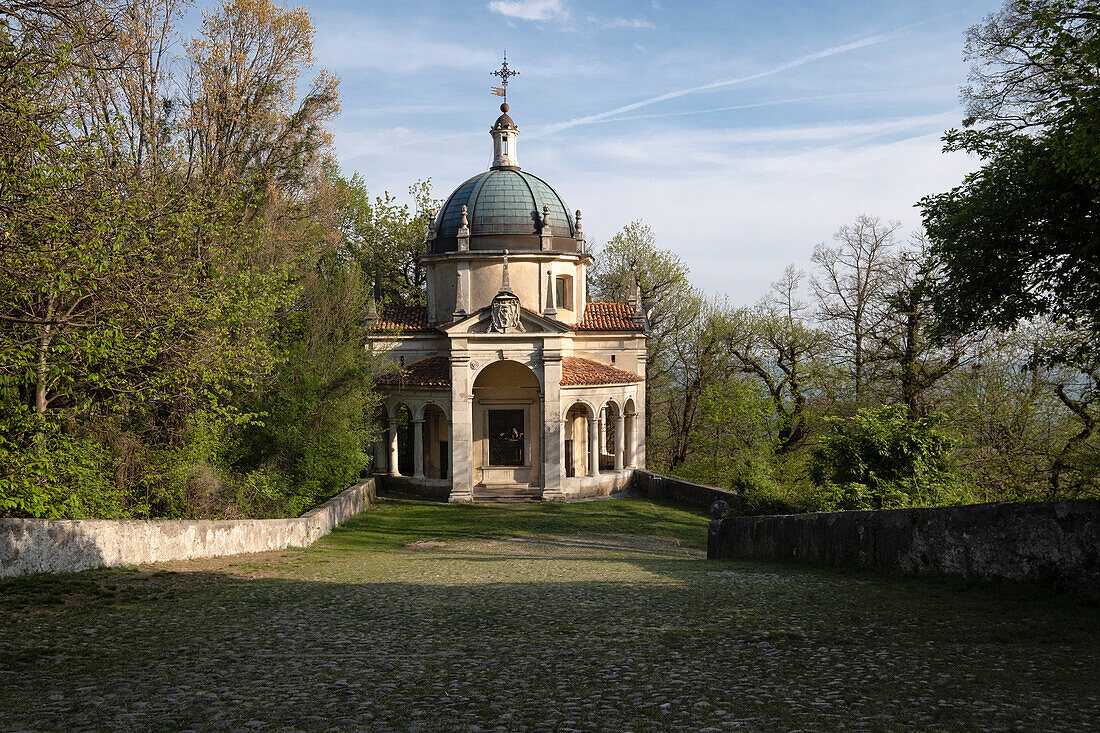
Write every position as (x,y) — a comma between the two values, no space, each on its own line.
(507,492)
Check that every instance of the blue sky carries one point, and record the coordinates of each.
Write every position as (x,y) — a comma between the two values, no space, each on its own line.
(743,133)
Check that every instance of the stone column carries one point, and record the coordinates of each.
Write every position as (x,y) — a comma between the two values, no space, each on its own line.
(553,438)
(593,447)
(450,448)
(462,429)
(602,430)
(393,447)
(620,441)
(629,447)
(418,448)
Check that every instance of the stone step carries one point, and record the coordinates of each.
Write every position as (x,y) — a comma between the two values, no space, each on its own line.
(507,492)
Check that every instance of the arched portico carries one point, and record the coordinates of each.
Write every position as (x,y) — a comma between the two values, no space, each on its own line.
(611,434)
(630,435)
(581,431)
(506,422)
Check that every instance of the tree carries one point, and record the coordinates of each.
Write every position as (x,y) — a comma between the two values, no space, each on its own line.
(915,362)
(1020,238)
(385,238)
(698,361)
(772,343)
(851,286)
(661,275)
(1018,436)
(156,231)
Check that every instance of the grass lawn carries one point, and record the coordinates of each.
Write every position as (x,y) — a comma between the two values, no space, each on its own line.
(593,616)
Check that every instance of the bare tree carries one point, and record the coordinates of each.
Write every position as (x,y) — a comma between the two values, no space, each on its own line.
(851,285)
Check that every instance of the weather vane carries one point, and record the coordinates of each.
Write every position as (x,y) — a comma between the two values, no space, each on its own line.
(504,73)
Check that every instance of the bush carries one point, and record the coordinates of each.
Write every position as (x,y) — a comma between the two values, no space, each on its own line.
(47,472)
(880,459)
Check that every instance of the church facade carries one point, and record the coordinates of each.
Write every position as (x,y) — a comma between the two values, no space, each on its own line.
(509,383)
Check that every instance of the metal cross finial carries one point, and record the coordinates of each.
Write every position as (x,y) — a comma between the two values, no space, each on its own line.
(504,73)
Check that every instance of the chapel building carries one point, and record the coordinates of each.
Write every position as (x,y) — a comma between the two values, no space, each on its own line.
(509,383)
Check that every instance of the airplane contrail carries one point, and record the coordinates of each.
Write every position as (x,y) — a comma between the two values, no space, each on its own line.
(800,61)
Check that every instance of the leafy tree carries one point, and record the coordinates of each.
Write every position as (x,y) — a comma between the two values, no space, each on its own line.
(1020,238)
(385,238)
(1015,430)
(915,362)
(881,459)
(698,360)
(154,249)
(312,431)
(667,297)
(772,343)
(662,277)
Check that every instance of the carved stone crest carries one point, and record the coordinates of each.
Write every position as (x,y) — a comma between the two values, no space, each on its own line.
(505,314)
(504,310)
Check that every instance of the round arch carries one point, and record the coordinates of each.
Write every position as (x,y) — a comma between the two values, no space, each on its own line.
(630,433)
(422,408)
(507,445)
(506,368)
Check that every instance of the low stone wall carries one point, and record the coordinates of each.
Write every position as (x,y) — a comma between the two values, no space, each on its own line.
(602,484)
(62,545)
(406,487)
(661,488)
(1051,544)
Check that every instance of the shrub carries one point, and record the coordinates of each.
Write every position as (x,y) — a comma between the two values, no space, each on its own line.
(880,459)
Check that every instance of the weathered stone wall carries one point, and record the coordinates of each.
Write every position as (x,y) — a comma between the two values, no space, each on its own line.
(1052,544)
(405,487)
(60,545)
(661,488)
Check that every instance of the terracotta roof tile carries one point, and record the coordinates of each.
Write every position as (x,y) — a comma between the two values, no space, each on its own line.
(435,371)
(404,317)
(608,317)
(577,372)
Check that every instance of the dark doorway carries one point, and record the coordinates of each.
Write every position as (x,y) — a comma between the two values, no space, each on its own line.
(570,467)
(444,457)
(506,437)
(405,428)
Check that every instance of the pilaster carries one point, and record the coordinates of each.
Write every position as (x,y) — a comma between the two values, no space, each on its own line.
(552,433)
(462,431)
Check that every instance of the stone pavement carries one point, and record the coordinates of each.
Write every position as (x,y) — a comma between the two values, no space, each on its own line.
(563,632)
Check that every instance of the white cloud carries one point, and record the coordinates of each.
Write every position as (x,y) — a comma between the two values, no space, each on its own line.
(530,9)
(628,23)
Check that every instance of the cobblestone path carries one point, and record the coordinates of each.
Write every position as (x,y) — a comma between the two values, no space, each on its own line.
(412,629)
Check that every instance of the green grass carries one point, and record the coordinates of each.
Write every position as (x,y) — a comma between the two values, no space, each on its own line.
(396,522)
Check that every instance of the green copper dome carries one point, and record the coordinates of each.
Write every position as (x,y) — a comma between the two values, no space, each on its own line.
(504,211)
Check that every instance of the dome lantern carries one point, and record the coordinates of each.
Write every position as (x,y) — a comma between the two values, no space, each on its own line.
(504,132)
